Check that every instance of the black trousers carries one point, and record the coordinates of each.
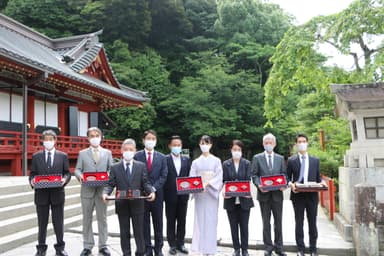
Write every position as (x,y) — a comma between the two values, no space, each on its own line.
(307,202)
(154,210)
(276,208)
(125,233)
(238,219)
(176,214)
(57,221)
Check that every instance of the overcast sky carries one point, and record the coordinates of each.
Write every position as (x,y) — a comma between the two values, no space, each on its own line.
(304,10)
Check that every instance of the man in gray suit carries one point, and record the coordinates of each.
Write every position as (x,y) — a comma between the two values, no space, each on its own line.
(93,159)
(265,164)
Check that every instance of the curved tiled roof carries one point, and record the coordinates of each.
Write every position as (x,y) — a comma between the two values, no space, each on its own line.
(23,48)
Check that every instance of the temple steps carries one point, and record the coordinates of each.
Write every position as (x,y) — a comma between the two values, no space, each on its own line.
(18,219)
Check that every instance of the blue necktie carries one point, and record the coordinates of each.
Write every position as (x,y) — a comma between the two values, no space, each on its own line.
(128,170)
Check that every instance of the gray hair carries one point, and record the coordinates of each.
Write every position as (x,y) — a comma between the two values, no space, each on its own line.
(48,133)
(91,129)
(129,142)
(269,136)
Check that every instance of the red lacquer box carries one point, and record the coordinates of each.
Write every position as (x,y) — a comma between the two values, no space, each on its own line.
(310,187)
(237,188)
(186,185)
(47,181)
(95,179)
(273,182)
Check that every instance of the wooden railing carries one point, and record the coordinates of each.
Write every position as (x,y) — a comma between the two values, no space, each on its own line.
(11,142)
(327,198)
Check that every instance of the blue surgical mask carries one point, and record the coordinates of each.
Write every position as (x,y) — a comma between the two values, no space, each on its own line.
(268,147)
(176,150)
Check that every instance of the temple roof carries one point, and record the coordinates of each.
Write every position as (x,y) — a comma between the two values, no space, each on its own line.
(67,57)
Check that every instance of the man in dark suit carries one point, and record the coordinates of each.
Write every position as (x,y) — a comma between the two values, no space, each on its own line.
(50,162)
(157,173)
(126,175)
(238,209)
(176,205)
(265,164)
(303,168)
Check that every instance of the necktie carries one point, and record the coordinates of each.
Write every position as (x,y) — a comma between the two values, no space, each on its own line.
(49,160)
(270,162)
(96,155)
(149,162)
(128,170)
(302,169)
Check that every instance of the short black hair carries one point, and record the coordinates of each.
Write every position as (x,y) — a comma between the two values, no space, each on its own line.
(206,139)
(301,135)
(149,132)
(237,143)
(48,133)
(174,137)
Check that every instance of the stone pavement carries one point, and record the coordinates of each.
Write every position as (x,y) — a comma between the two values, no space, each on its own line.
(329,242)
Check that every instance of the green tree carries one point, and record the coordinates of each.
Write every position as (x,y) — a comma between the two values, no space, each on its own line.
(54,18)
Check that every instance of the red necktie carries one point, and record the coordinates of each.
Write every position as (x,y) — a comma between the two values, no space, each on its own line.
(149,162)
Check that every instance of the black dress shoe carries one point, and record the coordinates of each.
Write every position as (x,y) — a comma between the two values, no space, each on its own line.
(172,250)
(236,252)
(86,252)
(244,253)
(267,253)
(300,253)
(104,251)
(281,254)
(40,253)
(182,249)
(61,253)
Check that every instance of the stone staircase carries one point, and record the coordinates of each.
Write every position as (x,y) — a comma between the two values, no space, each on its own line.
(18,220)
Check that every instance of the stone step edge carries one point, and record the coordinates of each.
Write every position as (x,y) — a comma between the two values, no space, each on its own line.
(29,204)
(7,196)
(12,241)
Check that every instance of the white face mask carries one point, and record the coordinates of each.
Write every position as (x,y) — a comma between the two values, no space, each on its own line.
(95,141)
(48,144)
(205,148)
(150,144)
(302,146)
(128,155)
(236,154)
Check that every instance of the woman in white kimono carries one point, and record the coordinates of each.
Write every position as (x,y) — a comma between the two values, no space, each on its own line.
(208,166)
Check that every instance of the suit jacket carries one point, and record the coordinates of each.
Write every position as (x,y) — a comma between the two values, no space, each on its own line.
(170,191)
(243,173)
(158,174)
(293,171)
(60,166)
(260,168)
(86,163)
(138,180)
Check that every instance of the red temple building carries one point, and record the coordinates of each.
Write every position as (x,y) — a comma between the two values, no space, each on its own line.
(63,84)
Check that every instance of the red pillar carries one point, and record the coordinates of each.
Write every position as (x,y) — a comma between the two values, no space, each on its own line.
(62,109)
(31,113)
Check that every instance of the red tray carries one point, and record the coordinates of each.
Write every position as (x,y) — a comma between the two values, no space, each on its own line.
(273,182)
(130,194)
(95,179)
(237,188)
(47,181)
(186,185)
